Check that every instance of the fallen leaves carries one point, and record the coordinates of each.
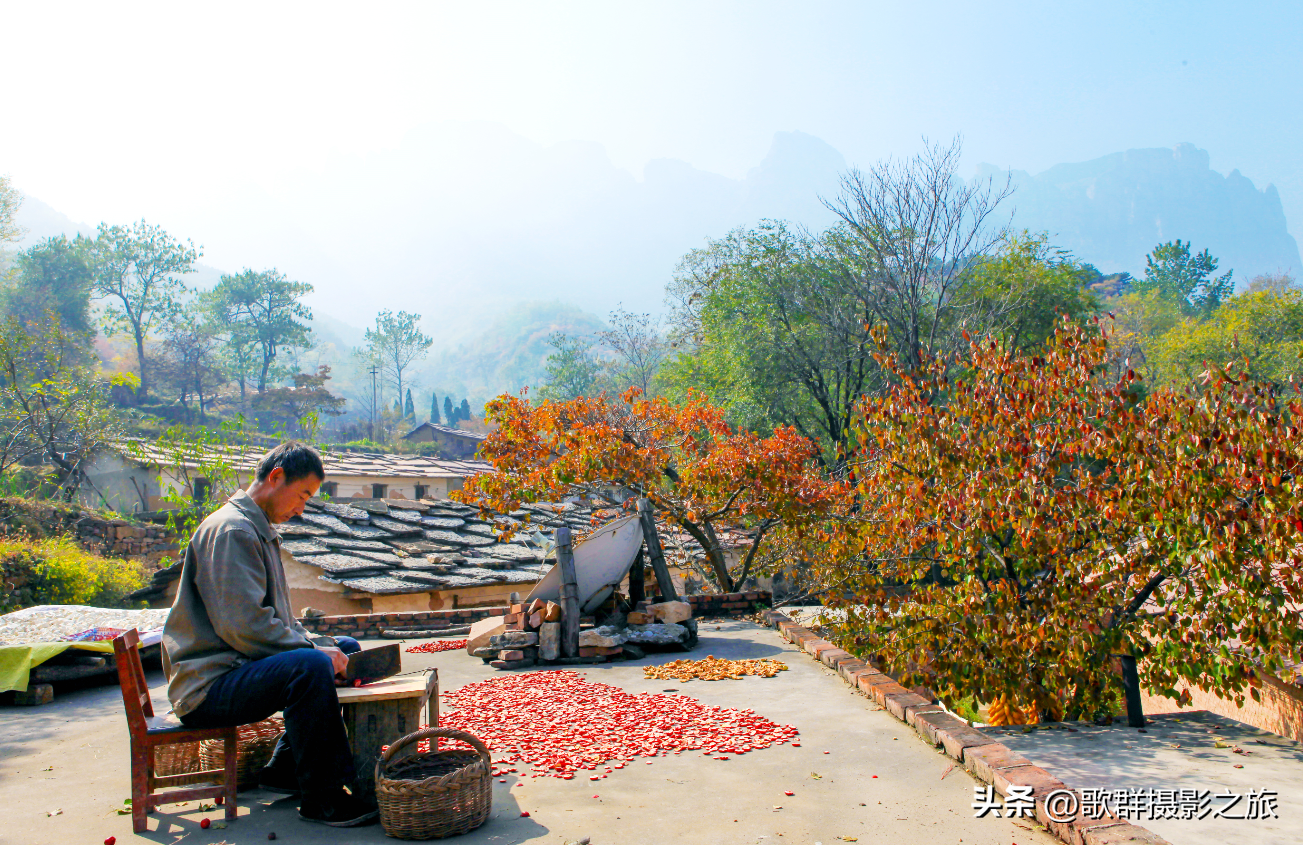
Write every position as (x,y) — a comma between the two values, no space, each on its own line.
(714,669)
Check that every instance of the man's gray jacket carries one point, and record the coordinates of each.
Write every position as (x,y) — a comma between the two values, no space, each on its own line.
(232,603)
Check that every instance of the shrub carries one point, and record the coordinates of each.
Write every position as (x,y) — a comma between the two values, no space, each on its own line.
(58,571)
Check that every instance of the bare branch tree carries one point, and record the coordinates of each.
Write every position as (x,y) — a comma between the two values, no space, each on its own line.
(917,231)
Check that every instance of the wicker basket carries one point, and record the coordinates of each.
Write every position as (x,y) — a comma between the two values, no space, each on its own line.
(254,744)
(430,795)
(181,758)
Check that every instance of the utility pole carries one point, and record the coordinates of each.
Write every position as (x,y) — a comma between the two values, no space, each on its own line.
(371,428)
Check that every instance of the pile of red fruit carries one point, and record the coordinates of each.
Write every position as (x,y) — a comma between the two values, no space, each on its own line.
(434,646)
(559,724)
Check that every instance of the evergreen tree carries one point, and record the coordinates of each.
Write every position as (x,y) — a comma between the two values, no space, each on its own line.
(410,410)
(398,407)
(434,408)
(448,413)
(464,412)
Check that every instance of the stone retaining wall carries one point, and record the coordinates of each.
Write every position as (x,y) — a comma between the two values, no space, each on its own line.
(94,533)
(986,759)
(728,604)
(371,624)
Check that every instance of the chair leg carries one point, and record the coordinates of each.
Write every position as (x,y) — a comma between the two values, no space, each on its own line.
(231,747)
(140,773)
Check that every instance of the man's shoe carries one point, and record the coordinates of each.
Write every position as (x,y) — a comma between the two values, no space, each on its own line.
(339,809)
(279,779)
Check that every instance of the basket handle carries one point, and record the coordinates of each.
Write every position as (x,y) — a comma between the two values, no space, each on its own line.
(431,733)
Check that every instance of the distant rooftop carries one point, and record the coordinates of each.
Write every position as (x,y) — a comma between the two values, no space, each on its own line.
(443,429)
(337,464)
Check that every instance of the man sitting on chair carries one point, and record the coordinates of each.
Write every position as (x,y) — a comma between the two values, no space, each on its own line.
(235,654)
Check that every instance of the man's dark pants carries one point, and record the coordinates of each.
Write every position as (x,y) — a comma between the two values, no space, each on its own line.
(302,684)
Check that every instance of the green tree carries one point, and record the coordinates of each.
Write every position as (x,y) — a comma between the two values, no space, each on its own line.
(1021,292)
(1173,273)
(1258,332)
(262,315)
(572,369)
(303,403)
(10,200)
(409,410)
(395,343)
(140,267)
(190,363)
(54,276)
(464,411)
(434,408)
(449,413)
(53,410)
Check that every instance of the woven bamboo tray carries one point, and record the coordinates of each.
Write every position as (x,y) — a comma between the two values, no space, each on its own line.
(430,795)
(254,744)
(182,758)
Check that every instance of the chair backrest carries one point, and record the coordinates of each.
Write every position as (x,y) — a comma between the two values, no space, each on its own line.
(131,677)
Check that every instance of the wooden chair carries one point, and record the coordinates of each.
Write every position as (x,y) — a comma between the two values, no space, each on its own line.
(149,732)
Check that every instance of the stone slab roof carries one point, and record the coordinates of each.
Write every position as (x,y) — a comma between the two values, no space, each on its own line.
(395,546)
(443,429)
(337,464)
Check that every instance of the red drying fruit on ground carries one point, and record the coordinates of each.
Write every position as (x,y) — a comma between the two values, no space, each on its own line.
(110,840)
(559,724)
(221,799)
(357,683)
(436,646)
(204,823)
(524,814)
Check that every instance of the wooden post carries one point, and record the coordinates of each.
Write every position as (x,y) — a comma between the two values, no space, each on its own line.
(565,558)
(653,541)
(637,580)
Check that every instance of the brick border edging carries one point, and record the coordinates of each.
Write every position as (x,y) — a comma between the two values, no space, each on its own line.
(983,757)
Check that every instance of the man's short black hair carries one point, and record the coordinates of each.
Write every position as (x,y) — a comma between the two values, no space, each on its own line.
(295,458)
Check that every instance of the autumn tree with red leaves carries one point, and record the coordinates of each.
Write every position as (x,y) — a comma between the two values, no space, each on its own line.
(697,471)
(1026,519)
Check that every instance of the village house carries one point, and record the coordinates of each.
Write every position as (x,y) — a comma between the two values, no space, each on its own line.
(451,442)
(140,477)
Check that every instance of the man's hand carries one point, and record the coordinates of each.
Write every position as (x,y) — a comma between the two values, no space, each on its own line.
(338,659)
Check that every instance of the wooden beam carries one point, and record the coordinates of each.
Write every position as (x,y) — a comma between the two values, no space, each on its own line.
(569,594)
(653,541)
(637,579)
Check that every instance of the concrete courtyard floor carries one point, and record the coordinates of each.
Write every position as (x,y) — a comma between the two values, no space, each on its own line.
(1178,751)
(71,757)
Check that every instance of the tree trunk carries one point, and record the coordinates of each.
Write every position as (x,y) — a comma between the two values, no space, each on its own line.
(143,392)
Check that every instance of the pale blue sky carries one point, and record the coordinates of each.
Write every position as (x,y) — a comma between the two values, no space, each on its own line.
(117,111)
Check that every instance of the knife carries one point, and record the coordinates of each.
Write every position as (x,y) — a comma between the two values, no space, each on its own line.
(373,664)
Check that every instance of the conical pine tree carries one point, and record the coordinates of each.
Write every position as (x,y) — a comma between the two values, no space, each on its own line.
(410,411)
(434,409)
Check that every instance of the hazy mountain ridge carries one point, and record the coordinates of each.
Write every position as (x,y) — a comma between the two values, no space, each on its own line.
(1113,210)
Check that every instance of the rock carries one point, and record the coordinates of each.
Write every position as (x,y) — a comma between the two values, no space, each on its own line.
(514,639)
(549,640)
(512,655)
(606,636)
(632,651)
(34,696)
(655,634)
(486,653)
(609,652)
(536,605)
(670,611)
(552,612)
(636,618)
(483,630)
(511,664)
(535,620)
(312,613)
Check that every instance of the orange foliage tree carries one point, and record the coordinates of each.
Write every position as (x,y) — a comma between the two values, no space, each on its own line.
(1025,519)
(697,471)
